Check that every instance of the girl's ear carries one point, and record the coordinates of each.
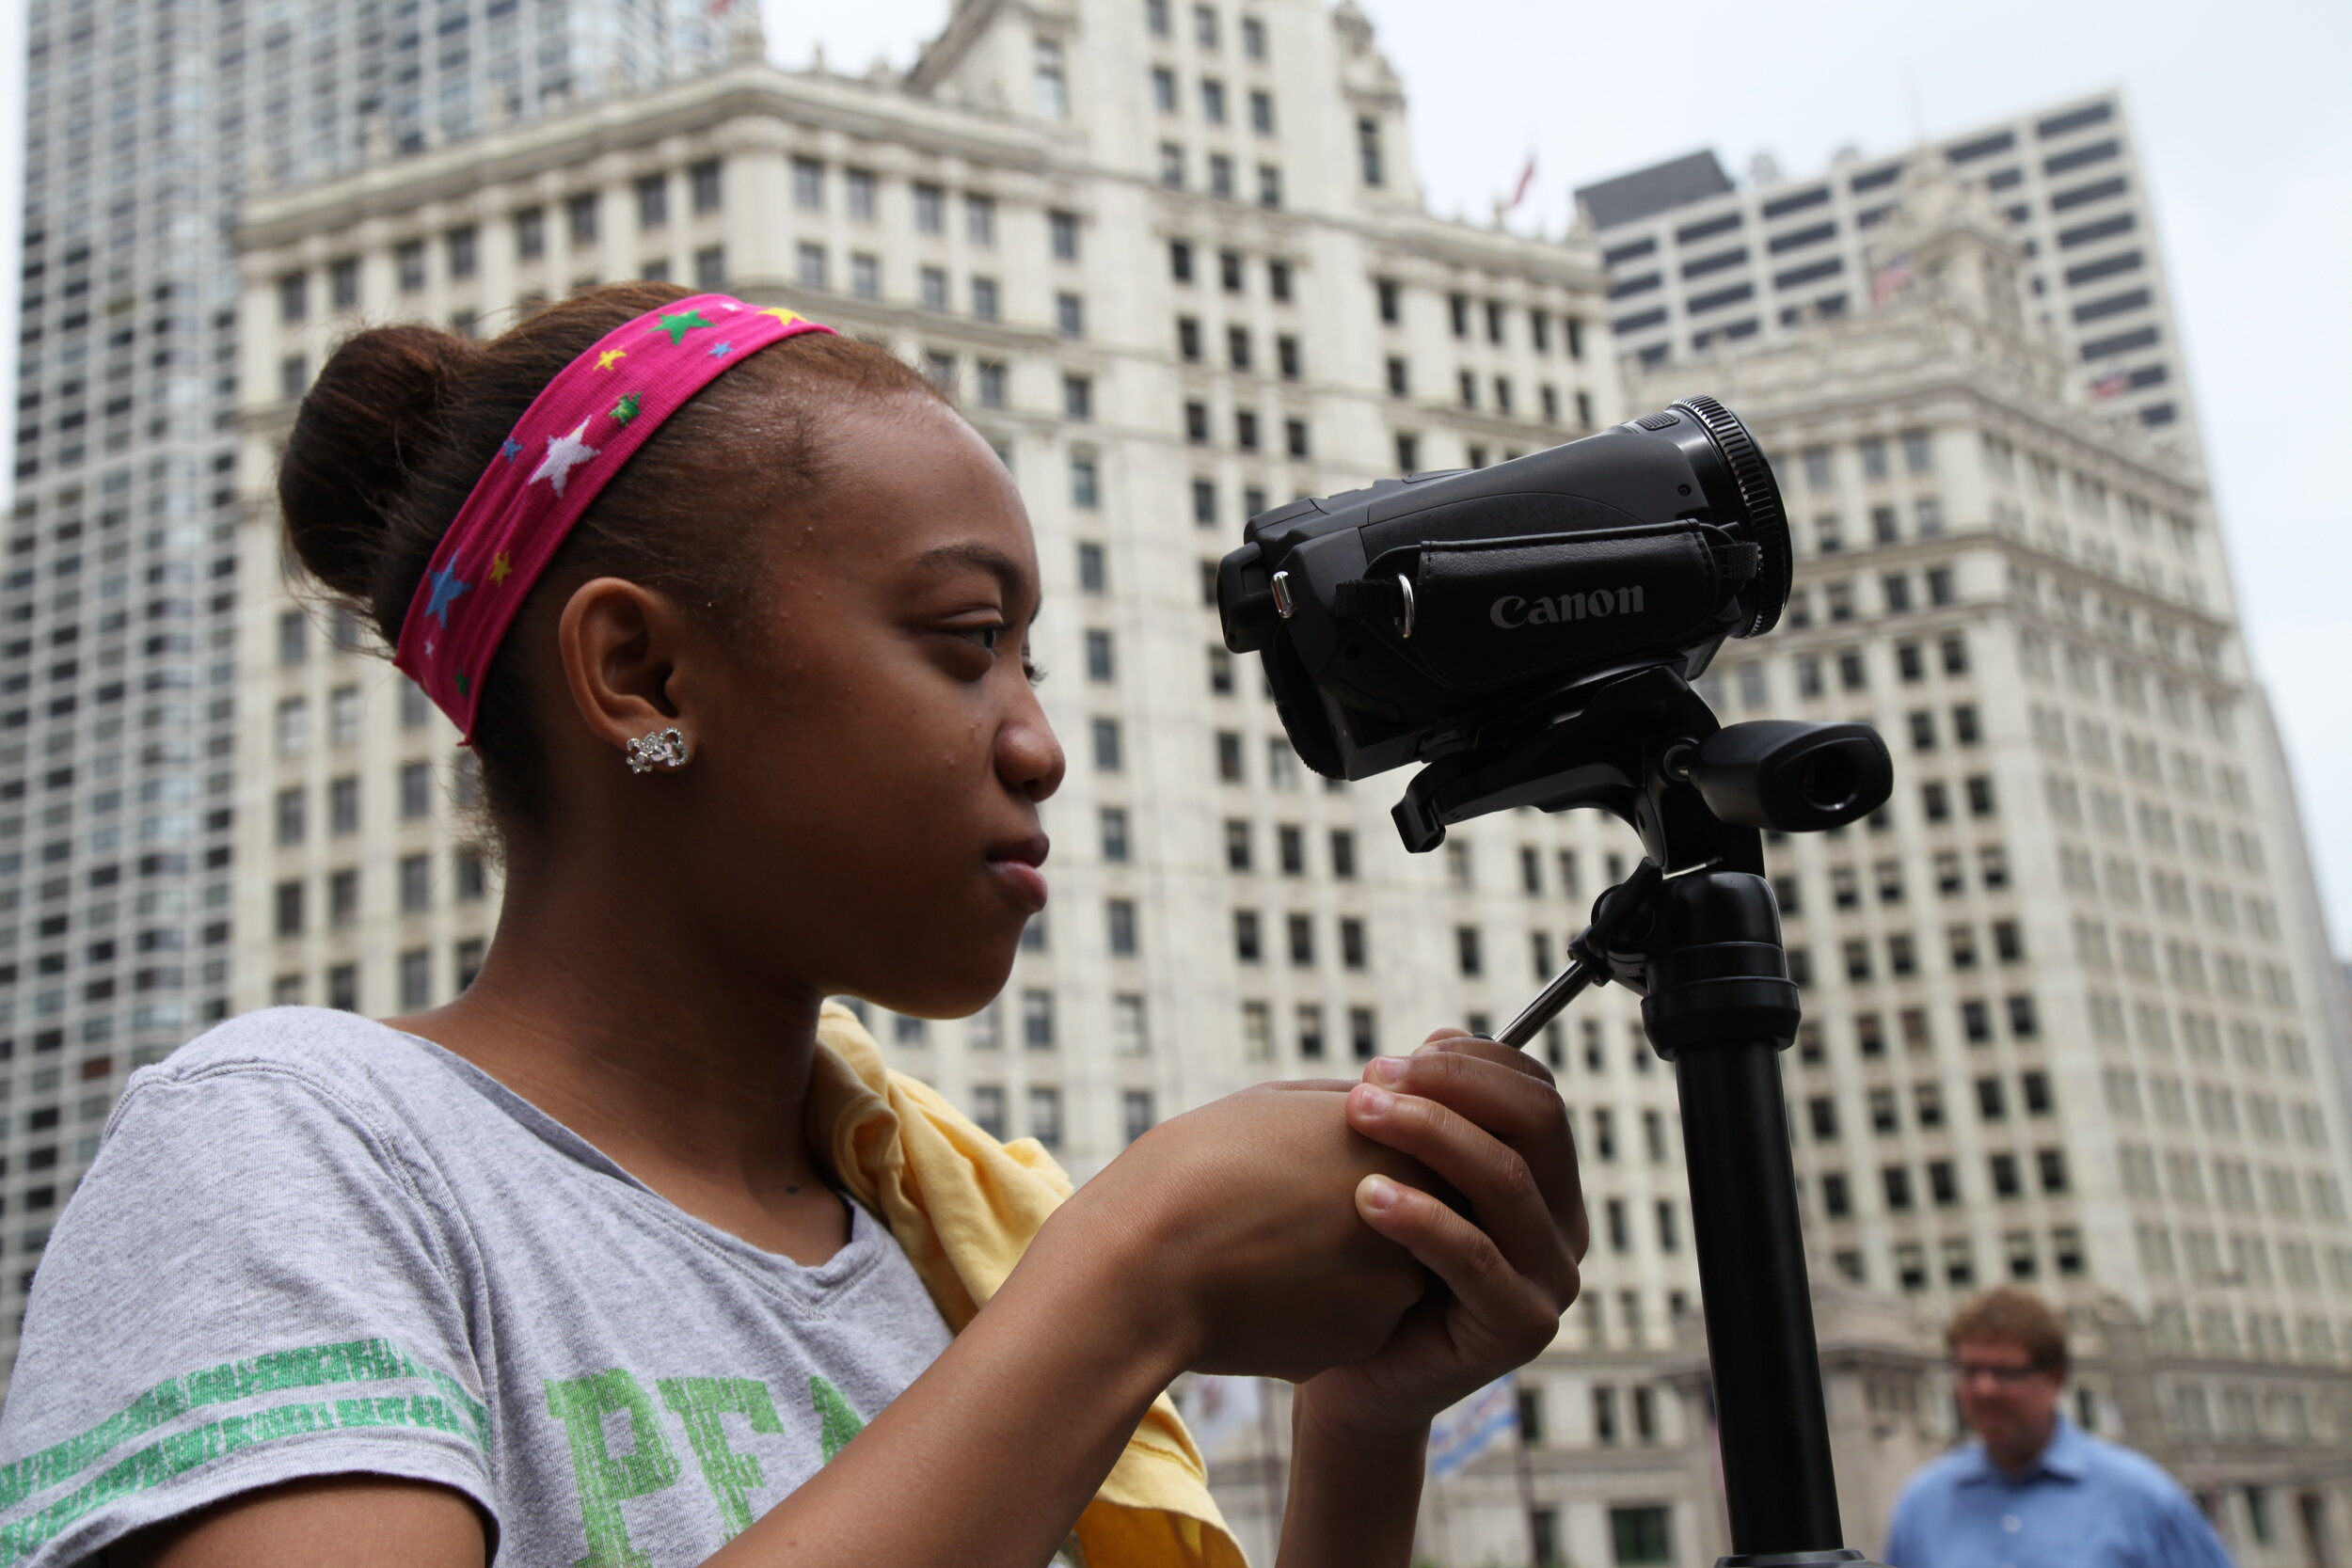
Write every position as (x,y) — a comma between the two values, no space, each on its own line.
(627,657)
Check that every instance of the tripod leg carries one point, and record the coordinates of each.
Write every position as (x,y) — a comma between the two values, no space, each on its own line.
(1772,1424)
(1719,1005)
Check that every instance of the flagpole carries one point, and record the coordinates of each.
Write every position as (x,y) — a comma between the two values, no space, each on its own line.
(1527,1476)
(1277,1483)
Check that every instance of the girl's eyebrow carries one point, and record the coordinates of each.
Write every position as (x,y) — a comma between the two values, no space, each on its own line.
(1009,574)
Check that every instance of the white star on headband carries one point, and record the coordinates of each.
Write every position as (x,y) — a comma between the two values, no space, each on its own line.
(564,453)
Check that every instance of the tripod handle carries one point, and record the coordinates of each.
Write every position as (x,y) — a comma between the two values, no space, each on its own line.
(1564,988)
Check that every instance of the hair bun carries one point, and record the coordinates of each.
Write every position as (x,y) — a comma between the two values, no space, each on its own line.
(373,411)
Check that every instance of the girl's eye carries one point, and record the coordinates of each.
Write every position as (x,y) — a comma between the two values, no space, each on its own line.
(988,639)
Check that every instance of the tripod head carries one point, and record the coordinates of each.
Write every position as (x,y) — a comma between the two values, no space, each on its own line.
(1644,748)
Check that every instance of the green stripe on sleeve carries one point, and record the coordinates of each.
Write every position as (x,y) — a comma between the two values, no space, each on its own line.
(183,1451)
(278,1372)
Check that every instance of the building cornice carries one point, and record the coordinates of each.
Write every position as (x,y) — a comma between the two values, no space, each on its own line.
(756,92)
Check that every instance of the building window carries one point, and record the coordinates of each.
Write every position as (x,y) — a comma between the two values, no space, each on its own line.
(1134,1113)
(343,274)
(1077,397)
(1037,1019)
(866,276)
(990,376)
(580,225)
(1107,758)
(415,979)
(1363,1033)
(653,200)
(415,884)
(1063,228)
(710,267)
(415,790)
(930,209)
(1368,152)
(472,875)
(1100,663)
(1130,1034)
(811,261)
(1070,316)
(808,185)
(1052,84)
(1172,164)
(342,805)
(1248,945)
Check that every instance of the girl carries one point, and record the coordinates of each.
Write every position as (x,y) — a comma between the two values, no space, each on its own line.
(634,1254)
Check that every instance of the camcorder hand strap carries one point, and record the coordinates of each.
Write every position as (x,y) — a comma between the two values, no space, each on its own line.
(1493,612)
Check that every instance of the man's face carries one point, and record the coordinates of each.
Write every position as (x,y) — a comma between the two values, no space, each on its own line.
(2008,1400)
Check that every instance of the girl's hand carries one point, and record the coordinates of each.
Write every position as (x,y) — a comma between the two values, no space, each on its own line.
(1232,1237)
(1487,1121)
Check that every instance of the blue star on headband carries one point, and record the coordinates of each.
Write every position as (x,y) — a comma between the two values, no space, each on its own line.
(510,448)
(719,350)
(445,590)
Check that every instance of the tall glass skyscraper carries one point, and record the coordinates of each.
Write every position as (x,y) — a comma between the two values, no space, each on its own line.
(147,124)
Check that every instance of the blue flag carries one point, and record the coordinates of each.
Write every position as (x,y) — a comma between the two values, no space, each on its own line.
(1463,1432)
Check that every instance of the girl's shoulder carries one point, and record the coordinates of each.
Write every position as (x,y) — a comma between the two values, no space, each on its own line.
(324,1042)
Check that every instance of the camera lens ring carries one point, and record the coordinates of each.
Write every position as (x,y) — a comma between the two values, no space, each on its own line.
(1760,497)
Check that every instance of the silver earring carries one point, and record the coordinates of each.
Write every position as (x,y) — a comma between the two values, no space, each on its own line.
(661,748)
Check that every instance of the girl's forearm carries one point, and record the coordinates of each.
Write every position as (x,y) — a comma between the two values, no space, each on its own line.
(990,1455)
(1354,1497)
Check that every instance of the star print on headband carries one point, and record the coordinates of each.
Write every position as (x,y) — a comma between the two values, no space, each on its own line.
(583,429)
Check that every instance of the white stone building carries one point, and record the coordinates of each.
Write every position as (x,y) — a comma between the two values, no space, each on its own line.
(2067,996)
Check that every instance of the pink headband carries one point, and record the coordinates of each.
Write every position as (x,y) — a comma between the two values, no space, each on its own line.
(578,433)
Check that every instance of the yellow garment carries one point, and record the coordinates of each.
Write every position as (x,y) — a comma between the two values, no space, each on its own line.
(964,1208)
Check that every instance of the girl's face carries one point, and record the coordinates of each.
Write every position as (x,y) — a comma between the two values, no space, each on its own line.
(876,752)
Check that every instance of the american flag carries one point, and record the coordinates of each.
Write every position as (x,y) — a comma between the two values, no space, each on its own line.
(1895,274)
(2110,384)
(1526,181)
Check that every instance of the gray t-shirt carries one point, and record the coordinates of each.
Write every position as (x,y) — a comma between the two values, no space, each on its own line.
(312,1244)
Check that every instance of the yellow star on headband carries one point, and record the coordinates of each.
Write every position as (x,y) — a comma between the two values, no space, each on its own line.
(611,357)
(499,568)
(788,317)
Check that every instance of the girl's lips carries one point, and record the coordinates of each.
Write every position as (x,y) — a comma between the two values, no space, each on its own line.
(1025,883)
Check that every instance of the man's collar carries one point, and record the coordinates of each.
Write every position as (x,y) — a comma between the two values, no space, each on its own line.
(2066,1456)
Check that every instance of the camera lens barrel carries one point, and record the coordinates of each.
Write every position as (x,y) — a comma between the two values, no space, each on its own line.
(1741,486)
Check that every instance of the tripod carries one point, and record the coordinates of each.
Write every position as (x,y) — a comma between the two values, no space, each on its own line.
(1695,932)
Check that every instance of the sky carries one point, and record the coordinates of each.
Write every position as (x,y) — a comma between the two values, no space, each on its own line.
(2244,129)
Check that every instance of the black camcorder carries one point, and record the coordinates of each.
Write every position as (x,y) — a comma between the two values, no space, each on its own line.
(1463,618)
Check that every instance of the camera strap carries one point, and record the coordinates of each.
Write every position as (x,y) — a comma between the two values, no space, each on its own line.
(1490,613)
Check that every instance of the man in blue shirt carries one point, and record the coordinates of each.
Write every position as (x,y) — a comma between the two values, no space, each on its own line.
(2034,1490)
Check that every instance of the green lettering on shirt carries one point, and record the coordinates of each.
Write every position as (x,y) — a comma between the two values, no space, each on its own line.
(836,1423)
(699,1402)
(607,1480)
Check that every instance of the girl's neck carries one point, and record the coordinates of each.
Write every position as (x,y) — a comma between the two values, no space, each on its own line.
(619,1023)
